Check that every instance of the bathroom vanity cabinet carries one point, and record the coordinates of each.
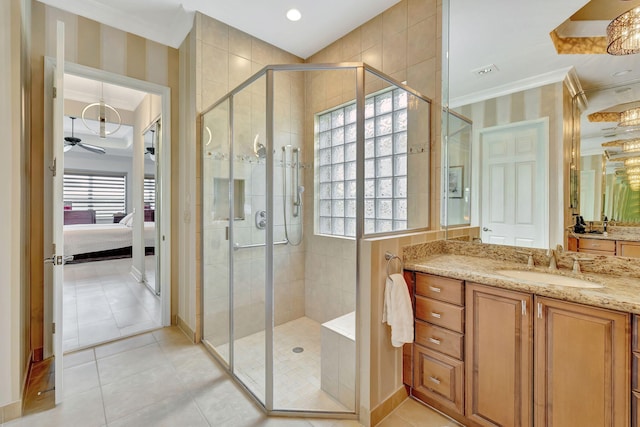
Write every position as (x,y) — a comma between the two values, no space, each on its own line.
(438,370)
(499,361)
(610,247)
(576,358)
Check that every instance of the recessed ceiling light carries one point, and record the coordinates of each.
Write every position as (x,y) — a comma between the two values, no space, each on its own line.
(620,73)
(294,15)
(483,71)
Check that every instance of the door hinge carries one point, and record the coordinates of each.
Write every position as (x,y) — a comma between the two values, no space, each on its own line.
(55,92)
(53,166)
(53,327)
(524,307)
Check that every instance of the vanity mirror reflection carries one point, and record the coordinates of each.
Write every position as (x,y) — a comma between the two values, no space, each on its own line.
(522,73)
(608,150)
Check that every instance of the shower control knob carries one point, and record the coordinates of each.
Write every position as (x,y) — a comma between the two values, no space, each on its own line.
(261,220)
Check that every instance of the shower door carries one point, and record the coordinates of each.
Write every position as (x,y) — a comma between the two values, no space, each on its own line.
(216,211)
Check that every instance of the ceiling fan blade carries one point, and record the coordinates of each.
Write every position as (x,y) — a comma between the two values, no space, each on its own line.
(67,147)
(92,148)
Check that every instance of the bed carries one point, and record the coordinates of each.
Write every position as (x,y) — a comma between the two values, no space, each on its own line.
(93,240)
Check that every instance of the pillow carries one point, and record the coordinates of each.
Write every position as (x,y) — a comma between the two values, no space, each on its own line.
(128,218)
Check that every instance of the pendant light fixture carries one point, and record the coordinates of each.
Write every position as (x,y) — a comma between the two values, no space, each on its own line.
(101,116)
(623,33)
(630,117)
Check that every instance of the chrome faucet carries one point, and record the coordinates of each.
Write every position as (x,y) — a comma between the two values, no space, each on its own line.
(576,263)
(553,261)
(530,262)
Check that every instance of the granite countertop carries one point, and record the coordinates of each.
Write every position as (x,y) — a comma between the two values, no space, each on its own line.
(609,236)
(621,289)
(623,233)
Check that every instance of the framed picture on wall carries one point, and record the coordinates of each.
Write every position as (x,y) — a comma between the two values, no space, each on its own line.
(456,184)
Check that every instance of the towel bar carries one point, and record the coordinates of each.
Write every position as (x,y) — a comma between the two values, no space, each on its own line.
(390,257)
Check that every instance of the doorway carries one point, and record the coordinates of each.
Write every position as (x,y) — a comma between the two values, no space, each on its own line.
(515,187)
(108,176)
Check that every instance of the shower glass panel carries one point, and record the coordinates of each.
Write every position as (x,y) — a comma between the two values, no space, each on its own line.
(249,236)
(314,276)
(299,162)
(215,226)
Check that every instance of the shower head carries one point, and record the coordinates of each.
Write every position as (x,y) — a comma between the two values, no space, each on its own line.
(300,189)
(258,148)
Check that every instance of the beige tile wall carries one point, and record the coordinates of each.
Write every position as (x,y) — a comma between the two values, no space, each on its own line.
(402,42)
(225,57)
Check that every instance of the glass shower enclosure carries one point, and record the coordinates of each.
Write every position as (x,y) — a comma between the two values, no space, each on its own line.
(300,162)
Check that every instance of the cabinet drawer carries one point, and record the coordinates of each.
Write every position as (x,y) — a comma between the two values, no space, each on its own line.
(635,399)
(439,377)
(628,249)
(440,288)
(439,339)
(440,313)
(597,245)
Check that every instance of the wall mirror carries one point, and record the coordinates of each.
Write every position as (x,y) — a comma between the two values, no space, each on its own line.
(525,76)
(608,148)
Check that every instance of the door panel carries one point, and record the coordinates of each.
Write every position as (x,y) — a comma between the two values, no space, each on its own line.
(57,214)
(515,185)
(499,356)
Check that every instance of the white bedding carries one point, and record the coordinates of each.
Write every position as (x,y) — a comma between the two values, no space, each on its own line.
(84,238)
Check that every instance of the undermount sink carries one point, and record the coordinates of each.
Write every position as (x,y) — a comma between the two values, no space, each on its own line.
(549,279)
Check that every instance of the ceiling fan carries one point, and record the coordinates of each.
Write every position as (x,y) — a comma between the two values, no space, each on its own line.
(72,141)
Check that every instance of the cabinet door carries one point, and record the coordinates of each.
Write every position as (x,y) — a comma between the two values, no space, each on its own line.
(582,365)
(498,356)
(438,377)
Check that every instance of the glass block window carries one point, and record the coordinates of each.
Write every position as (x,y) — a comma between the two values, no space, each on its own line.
(385,166)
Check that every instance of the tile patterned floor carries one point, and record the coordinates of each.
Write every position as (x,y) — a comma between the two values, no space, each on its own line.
(159,379)
(102,301)
(296,375)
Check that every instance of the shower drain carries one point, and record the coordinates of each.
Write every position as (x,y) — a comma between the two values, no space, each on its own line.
(297,349)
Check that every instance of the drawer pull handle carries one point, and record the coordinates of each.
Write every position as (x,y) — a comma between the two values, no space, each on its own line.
(436,315)
(434,340)
(434,380)
(434,289)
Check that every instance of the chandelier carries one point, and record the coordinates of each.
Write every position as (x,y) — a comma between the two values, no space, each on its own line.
(630,117)
(631,145)
(623,33)
(98,111)
(632,161)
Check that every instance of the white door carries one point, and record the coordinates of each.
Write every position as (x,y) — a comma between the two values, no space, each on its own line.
(57,212)
(514,185)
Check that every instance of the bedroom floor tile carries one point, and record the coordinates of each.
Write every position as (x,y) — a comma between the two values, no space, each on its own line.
(102,302)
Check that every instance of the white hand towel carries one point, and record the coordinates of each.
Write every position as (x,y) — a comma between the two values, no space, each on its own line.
(397,310)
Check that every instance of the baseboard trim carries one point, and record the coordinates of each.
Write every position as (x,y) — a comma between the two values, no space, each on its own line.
(38,355)
(136,274)
(11,411)
(186,329)
(388,405)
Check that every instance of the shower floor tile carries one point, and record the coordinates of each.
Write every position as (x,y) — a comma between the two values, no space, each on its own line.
(296,376)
